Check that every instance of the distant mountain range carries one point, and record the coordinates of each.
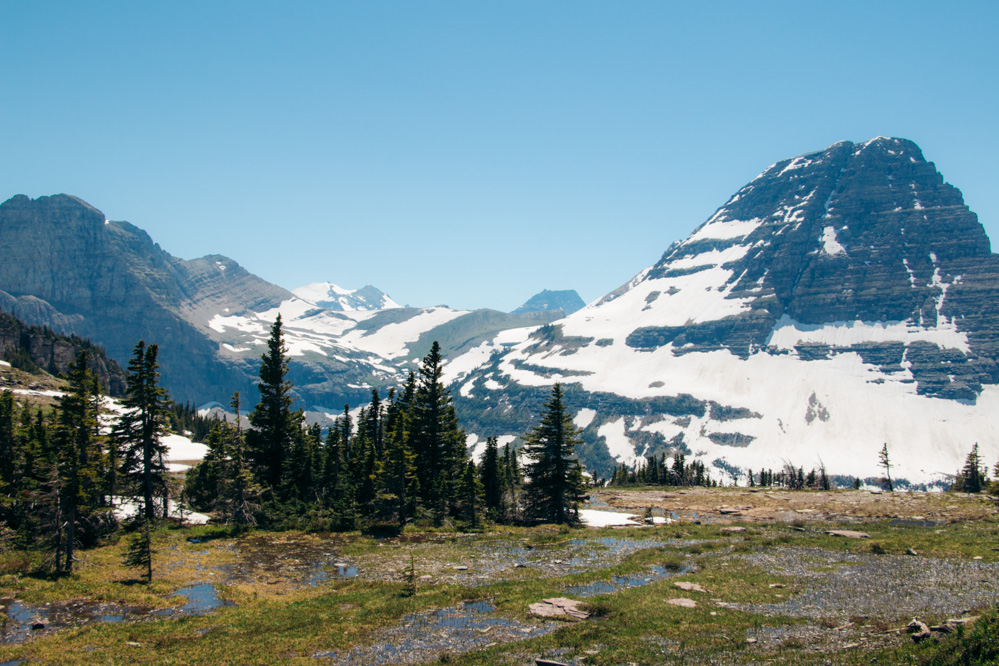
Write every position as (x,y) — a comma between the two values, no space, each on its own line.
(567,301)
(841,300)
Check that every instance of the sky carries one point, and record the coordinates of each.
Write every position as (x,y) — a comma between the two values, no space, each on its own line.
(471,153)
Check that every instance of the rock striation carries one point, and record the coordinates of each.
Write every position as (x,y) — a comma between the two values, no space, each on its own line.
(841,299)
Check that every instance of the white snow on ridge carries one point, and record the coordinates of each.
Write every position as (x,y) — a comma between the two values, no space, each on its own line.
(392,340)
(584,418)
(830,245)
(724,230)
(618,443)
(787,333)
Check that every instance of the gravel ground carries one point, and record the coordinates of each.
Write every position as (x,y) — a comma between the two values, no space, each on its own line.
(891,587)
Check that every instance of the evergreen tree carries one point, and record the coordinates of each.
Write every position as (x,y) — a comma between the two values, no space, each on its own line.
(140,429)
(551,494)
(436,439)
(884,463)
(491,478)
(471,490)
(973,477)
(270,439)
(8,454)
(78,449)
(140,551)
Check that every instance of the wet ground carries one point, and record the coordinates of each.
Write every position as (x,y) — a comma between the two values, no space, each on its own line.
(427,636)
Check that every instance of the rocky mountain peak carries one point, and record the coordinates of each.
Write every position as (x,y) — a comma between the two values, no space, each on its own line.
(568,301)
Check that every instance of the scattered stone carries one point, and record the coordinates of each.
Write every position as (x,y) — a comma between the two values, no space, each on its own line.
(548,662)
(750,641)
(945,628)
(964,620)
(133,643)
(559,607)
(911,551)
(689,587)
(778,585)
(732,530)
(460,567)
(730,512)
(918,630)
(682,602)
(35,626)
(849,534)
(850,646)
(978,557)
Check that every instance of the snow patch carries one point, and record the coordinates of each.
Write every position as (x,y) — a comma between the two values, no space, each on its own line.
(584,418)
(830,245)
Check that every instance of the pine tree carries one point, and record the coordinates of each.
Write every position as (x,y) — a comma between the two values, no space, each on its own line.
(140,551)
(437,441)
(886,465)
(8,454)
(78,449)
(492,480)
(270,439)
(140,428)
(551,494)
(973,477)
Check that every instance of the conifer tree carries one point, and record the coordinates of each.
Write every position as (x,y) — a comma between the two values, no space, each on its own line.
(8,454)
(973,477)
(552,492)
(270,438)
(471,489)
(140,551)
(492,480)
(141,427)
(437,441)
(884,463)
(78,449)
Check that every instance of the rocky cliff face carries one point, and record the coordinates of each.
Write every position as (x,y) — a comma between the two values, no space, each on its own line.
(47,350)
(67,267)
(840,299)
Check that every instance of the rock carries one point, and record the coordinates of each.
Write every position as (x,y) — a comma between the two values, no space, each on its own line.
(682,602)
(730,512)
(460,567)
(559,607)
(944,628)
(689,587)
(918,630)
(849,534)
(911,551)
(777,585)
(750,641)
(35,626)
(548,662)
(732,530)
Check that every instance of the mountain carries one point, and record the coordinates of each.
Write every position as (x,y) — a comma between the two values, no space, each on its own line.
(67,267)
(39,349)
(332,297)
(568,301)
(841,300)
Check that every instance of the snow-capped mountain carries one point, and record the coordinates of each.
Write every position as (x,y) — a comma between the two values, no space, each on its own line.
(841,300)
(68,267)
(333,297)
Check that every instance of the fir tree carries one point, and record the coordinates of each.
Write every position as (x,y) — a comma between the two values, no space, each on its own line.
(270,438)
(551,494)
(140,551)
(78,450)
(885,464)
(140,428)
(492,480)
(437,441)
(471,490)
(973,477)
(8,454)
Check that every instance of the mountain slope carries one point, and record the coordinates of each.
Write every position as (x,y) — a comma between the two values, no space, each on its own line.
(568,301)
(840,300)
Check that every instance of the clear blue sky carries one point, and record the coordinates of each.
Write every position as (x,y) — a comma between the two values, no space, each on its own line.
(471,153)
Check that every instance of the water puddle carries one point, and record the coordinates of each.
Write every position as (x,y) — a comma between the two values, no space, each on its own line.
(201,599)
(427,636)
(299,561)
(618,583)
(25,620)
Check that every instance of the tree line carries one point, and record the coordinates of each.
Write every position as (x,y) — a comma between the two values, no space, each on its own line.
(401,458)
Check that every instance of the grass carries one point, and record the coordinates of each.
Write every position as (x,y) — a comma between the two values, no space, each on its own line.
(278,619)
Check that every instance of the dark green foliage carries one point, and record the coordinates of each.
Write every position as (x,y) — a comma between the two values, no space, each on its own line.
(139,431)
(140,551)
(969,646)
(974,476)
(553,491)
(492,479)
(270,439)
(885,464)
